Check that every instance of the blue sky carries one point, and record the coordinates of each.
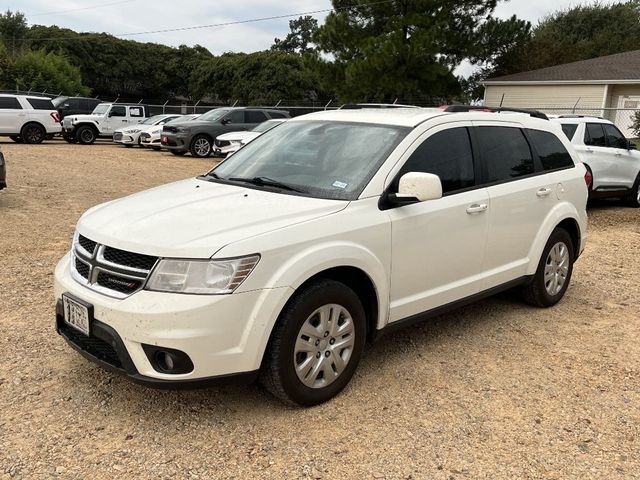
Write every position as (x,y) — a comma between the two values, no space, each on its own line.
(126,16)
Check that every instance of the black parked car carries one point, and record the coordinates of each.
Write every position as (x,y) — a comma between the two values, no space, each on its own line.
(197,136)
(75,105)
(3,172)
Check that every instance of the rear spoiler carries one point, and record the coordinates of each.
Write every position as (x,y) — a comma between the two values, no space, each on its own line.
(472,108)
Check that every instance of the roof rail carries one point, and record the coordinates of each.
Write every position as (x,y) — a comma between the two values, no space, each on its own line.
(472,108)
(580,116)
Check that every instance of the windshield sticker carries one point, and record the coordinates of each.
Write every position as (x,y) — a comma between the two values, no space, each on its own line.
(338,184)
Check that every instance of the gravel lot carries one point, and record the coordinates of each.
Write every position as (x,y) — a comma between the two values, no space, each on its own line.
(495,390)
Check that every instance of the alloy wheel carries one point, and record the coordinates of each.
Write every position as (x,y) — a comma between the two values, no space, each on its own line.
(202,147)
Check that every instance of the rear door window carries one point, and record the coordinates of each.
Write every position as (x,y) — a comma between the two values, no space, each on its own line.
(136,112)
(448,155)
(118,111)
(550,149)
(505,153)
(9,103)
(41,103)
(255,116)
(569,129)
(594,135)
(614,137)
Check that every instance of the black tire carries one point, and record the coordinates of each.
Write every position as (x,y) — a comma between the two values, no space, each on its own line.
(177,153)
(86,135)
(33,133)
(128,145)
(69,137)
(633,199)
(16,138)
(157,149)
(536,293)
(49,136)
(278,372)
(201,146)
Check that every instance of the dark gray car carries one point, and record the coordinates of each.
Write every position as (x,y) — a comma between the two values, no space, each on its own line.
(197,136)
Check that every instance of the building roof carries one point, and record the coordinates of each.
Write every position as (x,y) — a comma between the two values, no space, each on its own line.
(619,67)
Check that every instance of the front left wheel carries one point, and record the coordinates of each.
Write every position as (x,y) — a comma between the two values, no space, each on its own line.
(316,344)
(201,146)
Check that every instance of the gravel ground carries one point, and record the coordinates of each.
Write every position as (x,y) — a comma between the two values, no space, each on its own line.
(494,390)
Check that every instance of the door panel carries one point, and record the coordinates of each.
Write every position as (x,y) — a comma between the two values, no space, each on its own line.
(602,160)
(437,252)
(438,245)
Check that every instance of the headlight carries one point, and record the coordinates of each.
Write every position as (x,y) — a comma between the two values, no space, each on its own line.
(182,129)
(213,277)
(155,132)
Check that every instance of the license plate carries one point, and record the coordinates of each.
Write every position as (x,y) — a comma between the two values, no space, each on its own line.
(165,139)
(76,314)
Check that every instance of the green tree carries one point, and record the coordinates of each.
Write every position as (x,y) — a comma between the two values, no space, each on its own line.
(300,39)
(405,48)
(13,27)
(39,71)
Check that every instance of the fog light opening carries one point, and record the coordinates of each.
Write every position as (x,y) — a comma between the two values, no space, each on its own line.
(166,360)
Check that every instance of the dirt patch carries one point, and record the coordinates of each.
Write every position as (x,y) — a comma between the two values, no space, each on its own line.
(494,390)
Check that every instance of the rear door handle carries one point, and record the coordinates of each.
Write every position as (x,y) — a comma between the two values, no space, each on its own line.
(588,150)
(477,208)
(544,192)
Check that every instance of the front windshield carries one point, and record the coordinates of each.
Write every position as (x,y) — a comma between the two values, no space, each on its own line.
(214,115)
(322,159)
(264,126)
(101,109)
(153,120)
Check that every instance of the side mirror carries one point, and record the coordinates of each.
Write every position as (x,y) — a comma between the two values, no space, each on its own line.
(110,114)
(66,106)
(225,121)
(417,187)
(631,145)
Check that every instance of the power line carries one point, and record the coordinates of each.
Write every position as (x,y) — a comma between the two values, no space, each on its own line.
(90,7)
(216,25)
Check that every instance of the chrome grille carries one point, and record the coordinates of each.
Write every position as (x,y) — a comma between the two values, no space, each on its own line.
(110,271)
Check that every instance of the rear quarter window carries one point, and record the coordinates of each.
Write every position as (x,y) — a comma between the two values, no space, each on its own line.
(41,103)
(569,129)
(550,149)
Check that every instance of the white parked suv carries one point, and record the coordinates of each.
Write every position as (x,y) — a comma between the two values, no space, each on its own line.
(105,119)
(320,234)
(612,160)
(28,118)
(130,135)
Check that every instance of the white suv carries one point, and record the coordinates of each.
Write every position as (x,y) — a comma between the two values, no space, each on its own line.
(321,233)
(612,160)
(28,118)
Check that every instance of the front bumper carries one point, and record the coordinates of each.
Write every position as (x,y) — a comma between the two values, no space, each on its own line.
(175,141)
(126,138)
(223,335)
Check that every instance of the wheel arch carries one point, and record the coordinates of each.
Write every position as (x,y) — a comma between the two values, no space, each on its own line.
(32,122)
(564,216)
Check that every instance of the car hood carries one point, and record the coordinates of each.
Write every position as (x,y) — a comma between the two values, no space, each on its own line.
(195,218)
(84,118)
(235,136)
(195,123)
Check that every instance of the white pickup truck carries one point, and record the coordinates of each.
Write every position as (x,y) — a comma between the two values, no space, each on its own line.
(105,119)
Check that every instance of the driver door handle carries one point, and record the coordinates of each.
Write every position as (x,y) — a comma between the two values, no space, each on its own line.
(544,192)
(477,208)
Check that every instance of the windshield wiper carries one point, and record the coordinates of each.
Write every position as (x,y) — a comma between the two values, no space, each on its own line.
(210,175)
(265,182)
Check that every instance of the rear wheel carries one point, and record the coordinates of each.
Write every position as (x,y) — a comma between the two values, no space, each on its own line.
(553,275)
(32,133)
(86,135)
(16,138)
(633,200)
(201,146)
(316,344)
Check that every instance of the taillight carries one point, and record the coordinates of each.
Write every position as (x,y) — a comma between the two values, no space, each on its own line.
(588,178)
(55,116)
